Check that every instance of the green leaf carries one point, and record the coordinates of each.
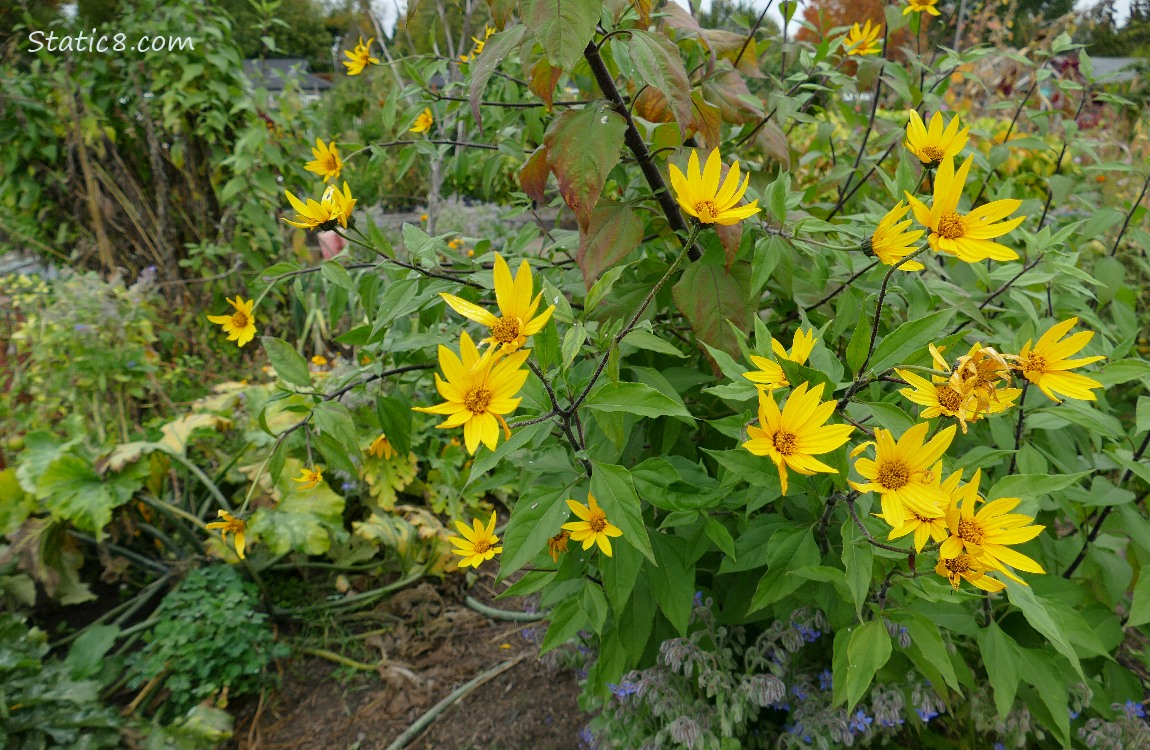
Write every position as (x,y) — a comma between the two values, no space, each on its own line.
(71,490)
(567,619)
(613,232)
(789,549)
(594,603)
(495,50)
(562,27)
(709,296)
(302,521)
(1035,613)
(15,504)
(334,272)
(673,581)
(287,362)
(1047,675)
(1000,656)
(925,636)
(908,338)
(394,414)
(620,577)
(335,421)
(583,145)
(797,373)
(651,342)
(614,489)
(1030,486)
(537,516)
(1140,605)
(868,650)
(634,398)
(858,560)
(722,538)
(659,65)
(86,657)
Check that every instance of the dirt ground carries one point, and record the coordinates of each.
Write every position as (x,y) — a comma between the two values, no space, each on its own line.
(433,645)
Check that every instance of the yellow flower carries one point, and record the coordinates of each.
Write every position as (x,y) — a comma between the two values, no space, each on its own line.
(978,373)
(955,569)
(931,525)
(381,447)
(891,242)
(863,40)
(933,144)
(985,535)
(901,473)
(593,528)
(455,244)
(770,374)
(360,57)
(333,207)
(941,398)
(478,543)
(1046,364)
(309,478)
(479,391)
(422,123)
(241,324)
(967,237)
(918,6)
(231,525)
(479,44)
(794,436)
(700,195)
(423,217)
(517,309)
(319,360)
(326,163)
(557,544)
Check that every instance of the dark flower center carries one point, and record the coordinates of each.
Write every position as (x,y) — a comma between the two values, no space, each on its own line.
(893,474)
(477,400)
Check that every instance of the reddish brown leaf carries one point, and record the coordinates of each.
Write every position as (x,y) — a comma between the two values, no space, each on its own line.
(658,64)
(773,142)
(583,145)
(726,88)
(614,231)
(502,11)
(652,106)
(533,175)
(705,120)
(542,80)
(710,295)
(730,236)
(728,45)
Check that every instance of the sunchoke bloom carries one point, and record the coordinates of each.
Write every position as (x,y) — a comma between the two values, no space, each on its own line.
(1046,363)
(423,122)
(891,242)
(965,236)
(956,569)
(231,525)
(701,196)
(770,374)
(931,144)
(241,324)
(940,398)
(326,162)
(360,57)
(319,360)
(479,45)
(901,472)
(863,40)
(921,6)
(793,436)
(929,526)
(557,544)
(381,447)
(985,535)
(517,319)
(334,207)
(479,392)
(309,478)
(592,526)
(478,543)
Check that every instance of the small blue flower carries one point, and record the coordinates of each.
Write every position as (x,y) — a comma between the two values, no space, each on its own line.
(810,635)
(896,721)
(1074,714)
(860,722)
(347,486)
(926,714)
(131,363)
(799,692)
(698,598)
(1133,709)
(623,689)
(81,327)
(826,680)
(586,738)
(999,746)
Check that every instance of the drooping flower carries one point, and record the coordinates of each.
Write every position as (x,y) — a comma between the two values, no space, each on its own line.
(955,569)
(986,534)
(901,472)
(478,391)
(967,237)
(933,143)
(941,398)
(309,478)
(360,57)
(334,207)
(979,373)
(381,447)
(592,526)
(423,122)
(241,324)
(793,436)
(863,40)
(557,544)
(770,374)
(891,242)
(479,44)
(517,308)
(1046,363)
(478,543)
(927,526)
(700,194)
(921,6)
(231,525)
(326,163)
